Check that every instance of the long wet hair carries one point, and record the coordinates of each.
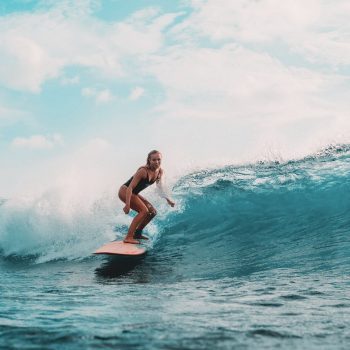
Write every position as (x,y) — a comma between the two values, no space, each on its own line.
(149,156)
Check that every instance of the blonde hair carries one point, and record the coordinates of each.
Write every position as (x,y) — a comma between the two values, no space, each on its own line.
(150,154)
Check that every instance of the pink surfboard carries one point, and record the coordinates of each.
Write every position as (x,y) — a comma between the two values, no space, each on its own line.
(121,248)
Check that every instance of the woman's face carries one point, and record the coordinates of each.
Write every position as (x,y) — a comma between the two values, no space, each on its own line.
(155,160)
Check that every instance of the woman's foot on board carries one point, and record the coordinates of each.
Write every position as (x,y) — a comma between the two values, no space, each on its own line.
(138,235)
(142,237)
(131,240)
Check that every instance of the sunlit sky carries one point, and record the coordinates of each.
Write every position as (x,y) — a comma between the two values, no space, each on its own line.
(90,85)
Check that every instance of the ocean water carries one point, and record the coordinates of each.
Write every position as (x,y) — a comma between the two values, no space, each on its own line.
(253,256)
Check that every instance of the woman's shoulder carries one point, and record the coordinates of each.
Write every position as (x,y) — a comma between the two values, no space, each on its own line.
(142,170)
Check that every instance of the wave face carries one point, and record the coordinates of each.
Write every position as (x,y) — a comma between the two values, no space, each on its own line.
(230,221)
(238,220)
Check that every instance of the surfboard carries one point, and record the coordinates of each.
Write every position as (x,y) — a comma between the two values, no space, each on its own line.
(121,248)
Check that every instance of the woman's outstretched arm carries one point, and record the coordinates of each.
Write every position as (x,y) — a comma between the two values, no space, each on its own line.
(163,189)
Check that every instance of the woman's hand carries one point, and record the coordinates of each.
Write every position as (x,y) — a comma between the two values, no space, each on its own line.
(170,202)
(126,209)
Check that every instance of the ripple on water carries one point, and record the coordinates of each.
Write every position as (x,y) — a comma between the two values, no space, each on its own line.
(293,297)
(271,333)
(267,304)
(17,336)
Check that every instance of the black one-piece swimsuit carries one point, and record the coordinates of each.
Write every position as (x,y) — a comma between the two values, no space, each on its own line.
(143,183)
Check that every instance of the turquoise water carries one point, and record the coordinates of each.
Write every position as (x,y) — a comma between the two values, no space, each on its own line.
(255,256)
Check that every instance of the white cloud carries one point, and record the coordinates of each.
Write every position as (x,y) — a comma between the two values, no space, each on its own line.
(230,70)
(104,96)
(136,93)
(88,92)
(24,63)
(253,21)
(100,96)
(229,102)
(10,114)
(38,46)
(70,80)
(232,82)
(316,29)
(38,141)
(241,74)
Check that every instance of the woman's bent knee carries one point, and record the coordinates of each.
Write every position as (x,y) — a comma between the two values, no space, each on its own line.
(122,193)
(152,213)
(143,213)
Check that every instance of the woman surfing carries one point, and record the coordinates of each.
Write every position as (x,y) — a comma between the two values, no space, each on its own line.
(129,193)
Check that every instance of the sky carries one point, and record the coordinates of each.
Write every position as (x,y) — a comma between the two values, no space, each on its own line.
(89,87)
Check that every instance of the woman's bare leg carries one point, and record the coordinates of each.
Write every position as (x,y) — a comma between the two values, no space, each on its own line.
(151,214)
(129,238)
(142,210)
